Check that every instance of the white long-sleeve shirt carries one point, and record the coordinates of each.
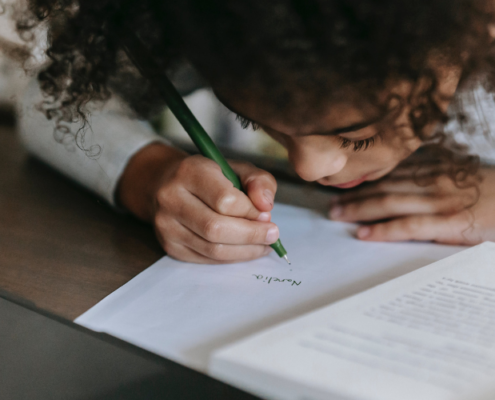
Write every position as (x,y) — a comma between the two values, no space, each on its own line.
(97,159)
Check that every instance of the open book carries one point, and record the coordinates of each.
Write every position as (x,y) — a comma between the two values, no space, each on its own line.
(254,325)
(428,335)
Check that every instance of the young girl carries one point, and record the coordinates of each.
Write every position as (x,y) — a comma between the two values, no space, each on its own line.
(351,88)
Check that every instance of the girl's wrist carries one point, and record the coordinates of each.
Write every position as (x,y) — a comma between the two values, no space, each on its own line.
(143,175)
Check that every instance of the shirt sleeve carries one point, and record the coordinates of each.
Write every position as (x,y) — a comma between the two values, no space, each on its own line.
(94,156)
(477,131)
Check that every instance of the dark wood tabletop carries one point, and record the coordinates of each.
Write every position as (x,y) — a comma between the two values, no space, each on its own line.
(60,246)
(63,248)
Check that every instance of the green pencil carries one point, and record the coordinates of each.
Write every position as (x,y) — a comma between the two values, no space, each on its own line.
(146,65)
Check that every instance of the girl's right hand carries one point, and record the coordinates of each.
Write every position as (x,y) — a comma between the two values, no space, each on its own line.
(198,215)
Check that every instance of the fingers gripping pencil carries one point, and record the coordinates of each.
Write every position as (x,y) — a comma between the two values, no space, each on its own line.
(147,67)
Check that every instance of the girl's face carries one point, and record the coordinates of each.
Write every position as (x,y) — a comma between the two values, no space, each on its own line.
(351,144)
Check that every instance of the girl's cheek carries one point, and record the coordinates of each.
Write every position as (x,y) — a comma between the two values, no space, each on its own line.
(378,157)
(399,142)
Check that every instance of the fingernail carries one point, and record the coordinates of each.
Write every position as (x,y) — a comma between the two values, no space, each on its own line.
(265,217)
(272,235)
(336,212)
(363,232)
(268,195)
(267,251)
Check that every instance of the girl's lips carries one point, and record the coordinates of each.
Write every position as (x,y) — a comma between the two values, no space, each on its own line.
(350,184)
(371,176)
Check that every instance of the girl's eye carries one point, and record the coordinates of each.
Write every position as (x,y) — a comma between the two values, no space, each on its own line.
(247,123)
(357,144)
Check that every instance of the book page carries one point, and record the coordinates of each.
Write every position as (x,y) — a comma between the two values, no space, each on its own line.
(186,311)
(428,335)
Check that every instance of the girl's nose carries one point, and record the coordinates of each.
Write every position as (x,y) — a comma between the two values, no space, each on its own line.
(312,164)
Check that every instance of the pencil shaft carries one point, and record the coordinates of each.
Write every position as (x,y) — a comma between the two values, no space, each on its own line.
(196,132)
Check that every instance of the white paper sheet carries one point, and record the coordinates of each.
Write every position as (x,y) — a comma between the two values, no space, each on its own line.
(186,311)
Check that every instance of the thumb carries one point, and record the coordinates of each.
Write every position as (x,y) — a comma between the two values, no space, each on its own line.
(260,186)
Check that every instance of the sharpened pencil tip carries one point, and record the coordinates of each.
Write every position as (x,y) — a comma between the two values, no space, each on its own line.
(287,259)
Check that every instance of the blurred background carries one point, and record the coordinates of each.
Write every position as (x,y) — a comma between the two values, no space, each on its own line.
(12,76)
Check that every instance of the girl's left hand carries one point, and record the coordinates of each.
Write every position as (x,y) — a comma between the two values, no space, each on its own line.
(397,209)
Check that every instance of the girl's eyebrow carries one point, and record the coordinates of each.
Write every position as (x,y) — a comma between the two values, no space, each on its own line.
(345,129)
(333,132)
(336,131)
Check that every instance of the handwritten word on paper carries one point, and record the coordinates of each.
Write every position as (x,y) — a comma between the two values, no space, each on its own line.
(270,279)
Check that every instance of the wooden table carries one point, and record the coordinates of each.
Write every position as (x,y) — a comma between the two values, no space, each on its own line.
(62,247)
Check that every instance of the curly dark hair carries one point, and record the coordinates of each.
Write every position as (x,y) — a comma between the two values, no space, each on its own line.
(293,54)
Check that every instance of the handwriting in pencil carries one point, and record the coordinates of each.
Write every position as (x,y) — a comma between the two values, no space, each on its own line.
(270,279)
